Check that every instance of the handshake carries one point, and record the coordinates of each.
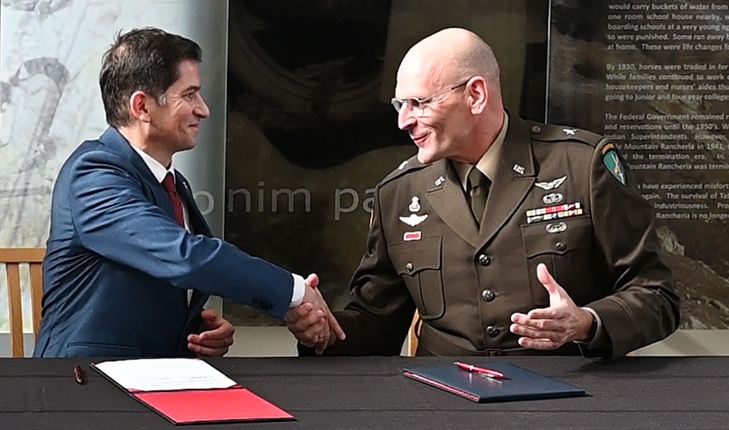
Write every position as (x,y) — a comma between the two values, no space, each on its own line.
(312,323)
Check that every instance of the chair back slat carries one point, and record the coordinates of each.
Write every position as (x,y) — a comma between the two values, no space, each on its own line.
(16,315)
(22,255)
(12,259)
(36,295)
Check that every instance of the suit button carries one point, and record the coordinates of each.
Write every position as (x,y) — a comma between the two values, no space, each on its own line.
(492,331)
(484,260)
(536,129)
(488,295)
(409,267)
(560,246)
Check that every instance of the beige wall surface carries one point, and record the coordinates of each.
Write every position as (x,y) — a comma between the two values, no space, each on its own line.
(278,342)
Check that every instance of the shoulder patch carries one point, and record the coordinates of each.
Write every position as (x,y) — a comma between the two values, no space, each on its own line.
(558,133)
(409,165)
(608,147)
(612,161)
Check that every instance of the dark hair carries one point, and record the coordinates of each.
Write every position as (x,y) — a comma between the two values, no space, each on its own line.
(145,59)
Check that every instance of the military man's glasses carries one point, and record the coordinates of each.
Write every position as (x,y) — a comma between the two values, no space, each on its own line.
(418,105)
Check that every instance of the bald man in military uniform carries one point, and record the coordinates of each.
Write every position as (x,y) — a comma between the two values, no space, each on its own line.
(507,236)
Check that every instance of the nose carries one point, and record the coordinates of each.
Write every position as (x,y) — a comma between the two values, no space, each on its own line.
(405,118)
(201,110)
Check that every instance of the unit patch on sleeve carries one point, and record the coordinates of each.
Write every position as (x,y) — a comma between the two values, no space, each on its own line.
(612,162)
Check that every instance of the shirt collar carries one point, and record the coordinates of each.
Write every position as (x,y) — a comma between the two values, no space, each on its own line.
(158,170)
(490,159)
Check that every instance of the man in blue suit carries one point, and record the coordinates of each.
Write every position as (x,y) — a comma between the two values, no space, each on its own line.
(130,261)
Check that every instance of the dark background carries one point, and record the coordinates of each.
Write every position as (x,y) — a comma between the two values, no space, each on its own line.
(309,84)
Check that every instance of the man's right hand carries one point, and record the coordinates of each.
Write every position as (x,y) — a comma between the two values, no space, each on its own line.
(312,323)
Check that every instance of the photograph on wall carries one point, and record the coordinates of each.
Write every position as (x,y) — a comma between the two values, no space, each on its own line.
(311,130)
(652,77)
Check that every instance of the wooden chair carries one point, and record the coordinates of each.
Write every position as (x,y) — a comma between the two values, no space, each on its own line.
(414,334)
(12,259)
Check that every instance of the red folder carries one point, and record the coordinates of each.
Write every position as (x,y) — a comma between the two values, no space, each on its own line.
(207,406)
(198,406)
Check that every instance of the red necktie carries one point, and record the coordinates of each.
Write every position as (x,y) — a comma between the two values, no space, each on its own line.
(169,185)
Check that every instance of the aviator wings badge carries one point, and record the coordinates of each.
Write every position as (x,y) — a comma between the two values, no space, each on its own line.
(550,185)
(413,219)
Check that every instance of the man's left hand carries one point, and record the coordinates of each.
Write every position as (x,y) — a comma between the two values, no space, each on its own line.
(216,337)
(549,328)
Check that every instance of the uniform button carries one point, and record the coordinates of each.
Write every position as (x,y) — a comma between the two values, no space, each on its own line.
(484,260)
(488,295)
(492,331)
(536,129)
(409,267)
(560,246)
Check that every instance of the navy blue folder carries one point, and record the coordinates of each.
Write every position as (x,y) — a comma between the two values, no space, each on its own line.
(520,384)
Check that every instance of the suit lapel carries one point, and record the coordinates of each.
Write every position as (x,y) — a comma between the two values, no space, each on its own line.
(197,226)
(448,200)
(114,140)
(514,178)
(196,218)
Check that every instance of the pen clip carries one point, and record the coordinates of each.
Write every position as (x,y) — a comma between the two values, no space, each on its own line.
(491,378)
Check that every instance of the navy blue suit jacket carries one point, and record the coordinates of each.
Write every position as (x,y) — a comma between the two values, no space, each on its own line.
(118,266)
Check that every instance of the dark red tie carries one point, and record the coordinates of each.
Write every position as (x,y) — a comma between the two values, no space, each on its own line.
(169,185)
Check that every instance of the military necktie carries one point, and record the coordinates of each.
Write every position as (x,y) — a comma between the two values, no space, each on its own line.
(478,187)
(169,185)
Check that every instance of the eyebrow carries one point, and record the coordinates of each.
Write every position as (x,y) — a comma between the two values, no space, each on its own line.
(192,88)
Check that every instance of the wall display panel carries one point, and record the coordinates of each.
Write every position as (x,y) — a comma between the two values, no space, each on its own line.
(652,76)
(310,127)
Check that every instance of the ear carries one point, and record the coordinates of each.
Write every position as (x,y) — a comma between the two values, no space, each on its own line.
(139,104)
(478,95)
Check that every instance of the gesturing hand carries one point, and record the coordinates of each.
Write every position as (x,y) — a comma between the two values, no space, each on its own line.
(215,339)
(549,328)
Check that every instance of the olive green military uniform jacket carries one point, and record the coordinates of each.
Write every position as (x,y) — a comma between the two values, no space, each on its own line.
(560,196)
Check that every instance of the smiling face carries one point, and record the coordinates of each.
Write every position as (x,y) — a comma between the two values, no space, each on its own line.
(440,128)
(174,124)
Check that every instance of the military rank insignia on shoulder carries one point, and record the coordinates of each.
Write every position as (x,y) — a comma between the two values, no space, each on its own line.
(556,133)
(408,165)
(612,162)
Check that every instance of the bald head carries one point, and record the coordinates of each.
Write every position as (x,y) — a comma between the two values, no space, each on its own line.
(452,55)
(449,84)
